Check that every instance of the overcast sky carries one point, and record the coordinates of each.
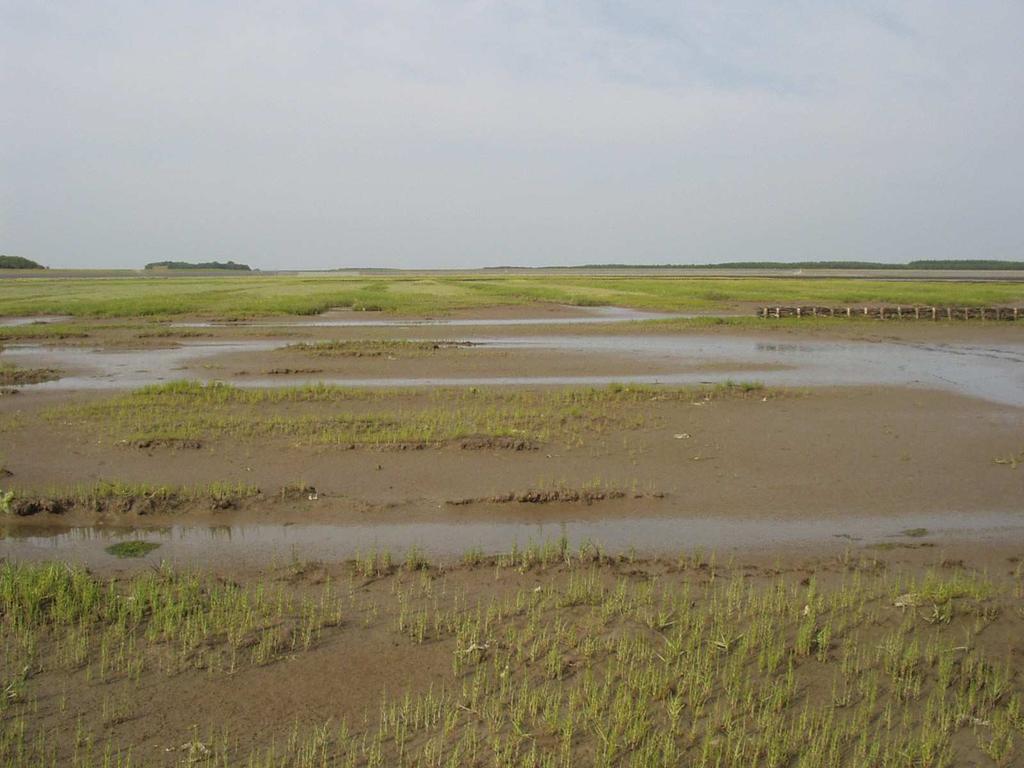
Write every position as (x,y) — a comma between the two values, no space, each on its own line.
(447,134)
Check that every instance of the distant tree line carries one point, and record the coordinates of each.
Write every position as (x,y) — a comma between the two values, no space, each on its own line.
(966,264)
(18,262)
(199,265)
(919,264)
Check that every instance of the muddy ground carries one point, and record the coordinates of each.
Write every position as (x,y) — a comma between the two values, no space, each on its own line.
(784,455)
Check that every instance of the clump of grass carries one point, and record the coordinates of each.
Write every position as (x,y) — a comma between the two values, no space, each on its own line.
(173,333)
(914,533)
(135,548)
(373,564)
(545,493)
(13,376)
(415,560)
(6,497)
(1012,461)
(473,557)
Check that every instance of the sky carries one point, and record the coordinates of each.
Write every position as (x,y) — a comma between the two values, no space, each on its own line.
(461,134)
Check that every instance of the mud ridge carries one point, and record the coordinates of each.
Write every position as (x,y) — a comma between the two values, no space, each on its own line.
(499,443)
(163,442)
(154,503)
(571,495)
(373,348)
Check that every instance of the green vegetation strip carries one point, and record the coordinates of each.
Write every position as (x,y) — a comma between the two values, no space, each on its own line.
(237,296)
(43,332)
(581,663)
(327,415)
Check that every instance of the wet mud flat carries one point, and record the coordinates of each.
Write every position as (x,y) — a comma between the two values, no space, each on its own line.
(487,553)
(983,363)
(859,427)
(495,317)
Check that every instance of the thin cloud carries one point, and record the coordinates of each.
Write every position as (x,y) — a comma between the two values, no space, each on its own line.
(465,134)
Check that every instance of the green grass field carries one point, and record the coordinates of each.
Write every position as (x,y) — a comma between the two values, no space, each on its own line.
(248,296)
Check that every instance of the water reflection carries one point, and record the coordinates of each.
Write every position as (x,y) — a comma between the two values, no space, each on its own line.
(11,322)
(372,320)
(257,544)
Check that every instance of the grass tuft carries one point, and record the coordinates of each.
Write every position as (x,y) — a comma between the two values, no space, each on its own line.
(132,548)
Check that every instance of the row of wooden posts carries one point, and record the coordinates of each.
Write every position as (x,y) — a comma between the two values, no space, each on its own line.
(898,312)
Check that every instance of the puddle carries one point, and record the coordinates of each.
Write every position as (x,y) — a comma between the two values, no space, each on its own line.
(10,322)
(259,544)
(593,315)
(994,373)
(122,369)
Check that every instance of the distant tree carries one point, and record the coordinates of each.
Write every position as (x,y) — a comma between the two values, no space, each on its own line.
(18,262)
(199,265)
